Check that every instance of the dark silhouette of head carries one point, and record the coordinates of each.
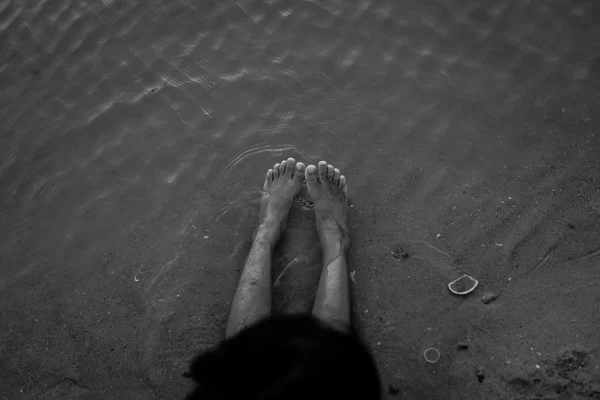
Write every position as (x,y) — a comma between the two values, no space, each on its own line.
(287,357)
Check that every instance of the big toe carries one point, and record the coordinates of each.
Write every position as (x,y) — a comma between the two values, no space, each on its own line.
(299,172)
(311,174)
(289,167)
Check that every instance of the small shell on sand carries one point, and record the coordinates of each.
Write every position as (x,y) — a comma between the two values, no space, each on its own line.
(463,285)
(432,355)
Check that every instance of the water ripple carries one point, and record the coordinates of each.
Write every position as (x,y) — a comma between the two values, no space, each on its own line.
(266,150)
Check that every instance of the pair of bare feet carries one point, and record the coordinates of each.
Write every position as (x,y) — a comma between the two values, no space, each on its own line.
(328,191)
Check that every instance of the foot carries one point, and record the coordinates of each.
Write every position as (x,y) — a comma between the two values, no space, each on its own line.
(328,191)
(282,184)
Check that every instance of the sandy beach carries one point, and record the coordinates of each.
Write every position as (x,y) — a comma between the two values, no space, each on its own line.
(135,138)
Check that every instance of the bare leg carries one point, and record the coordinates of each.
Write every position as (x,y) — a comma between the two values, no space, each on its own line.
(252,300)
(328,189)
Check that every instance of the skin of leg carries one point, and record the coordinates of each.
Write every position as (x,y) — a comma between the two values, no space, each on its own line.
(332,302)
(252,299)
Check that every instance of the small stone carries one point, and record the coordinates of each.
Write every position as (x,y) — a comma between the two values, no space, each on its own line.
(438,236)
(398,252)
(480,374)
(488,297)
(463,345)
(206,237)
(393,390)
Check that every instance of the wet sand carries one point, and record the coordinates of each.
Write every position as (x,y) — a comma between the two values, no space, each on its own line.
(135,136)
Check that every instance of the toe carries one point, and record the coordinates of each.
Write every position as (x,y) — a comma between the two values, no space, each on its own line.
(282,166)
(330,172)
(268,179)
(276,171)
(342,183)
(299,172)
(322,171)
(336,176)
(311,174)
(289,167)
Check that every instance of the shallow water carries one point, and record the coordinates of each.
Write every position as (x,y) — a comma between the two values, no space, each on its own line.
(135,136)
